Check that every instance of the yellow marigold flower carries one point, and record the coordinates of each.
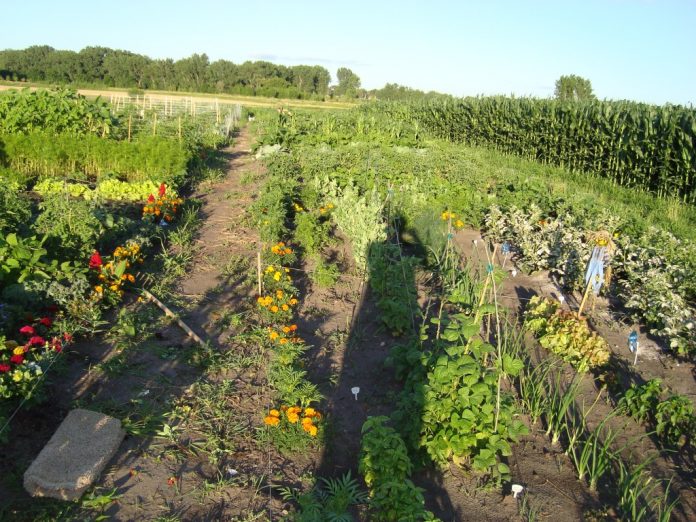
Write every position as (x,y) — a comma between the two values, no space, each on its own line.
(306,420)
(269,268)
(18,351)
(279,294)
(271,420)
(459,224)
(286,329)
(294,409)
(292,302)
(274,309)
(259,300)
(310,412)
(330,205)
(288,251)
(273,336)
(285,308)
(293,417)
(274,413)
(312,431)
(114,287)
(98,289)
(276,276)
(283,341)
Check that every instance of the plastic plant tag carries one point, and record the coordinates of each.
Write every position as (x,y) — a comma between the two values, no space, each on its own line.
(633,345)
(516,490)
(355,390)
(505,249)
(514,273)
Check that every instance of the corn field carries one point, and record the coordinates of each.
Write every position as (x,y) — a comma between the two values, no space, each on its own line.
(652,148)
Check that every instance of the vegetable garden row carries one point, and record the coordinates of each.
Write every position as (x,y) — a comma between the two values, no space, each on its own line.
(470,382)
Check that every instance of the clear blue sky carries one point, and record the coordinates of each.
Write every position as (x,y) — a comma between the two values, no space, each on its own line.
(630,49)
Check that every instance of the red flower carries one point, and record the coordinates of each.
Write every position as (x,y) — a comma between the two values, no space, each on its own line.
(171,481)
(4,368)
(162,190)
(17,359)
(46,321)
(27,330)
(151,199)
(67,337)
(95,262)
(37,341)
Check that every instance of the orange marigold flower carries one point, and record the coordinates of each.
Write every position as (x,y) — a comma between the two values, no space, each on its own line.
(279,294)
(293,417)
(310,412)
(285,308)
(274,413)
(271,420)
(273,336)
(274,309)
(292,302)
(312,431)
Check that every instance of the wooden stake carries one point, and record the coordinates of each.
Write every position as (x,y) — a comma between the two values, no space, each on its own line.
(258,271)
(171,314)
(154,125)
(584,299)
(130,117)
(179,127)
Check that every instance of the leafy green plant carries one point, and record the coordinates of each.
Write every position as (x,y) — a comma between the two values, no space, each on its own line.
(329,500)
(311,231)
(565,335)
(640,402)
(386,466)
(325,274)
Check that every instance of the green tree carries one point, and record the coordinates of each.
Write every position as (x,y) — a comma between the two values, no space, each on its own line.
(348,83)
(574,88)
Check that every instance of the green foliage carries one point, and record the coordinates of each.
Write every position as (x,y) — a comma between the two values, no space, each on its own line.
(90,158)
(638,145)
(328,501)
(106,190)
(392,280)
(325,274)
(573,88)
(386,466)
(358,216)
(53,111)
(640,402)
(70,226)
(117,68)
(15,209)
(311,231)
(348,83)
(565,335)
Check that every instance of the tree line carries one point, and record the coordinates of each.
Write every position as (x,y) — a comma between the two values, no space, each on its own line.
(103,66)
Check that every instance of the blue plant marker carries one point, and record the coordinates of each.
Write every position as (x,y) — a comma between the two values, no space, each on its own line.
(633,341)
(489,268)
(505,249)
(633,345)
(450,236)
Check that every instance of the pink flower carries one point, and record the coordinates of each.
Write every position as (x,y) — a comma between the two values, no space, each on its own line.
(27,330)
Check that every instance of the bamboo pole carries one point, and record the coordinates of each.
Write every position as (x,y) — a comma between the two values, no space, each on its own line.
(130,118)
(171,314)
(258,271)
(154,125)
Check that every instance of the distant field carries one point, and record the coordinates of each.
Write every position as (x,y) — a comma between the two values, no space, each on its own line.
(249,101)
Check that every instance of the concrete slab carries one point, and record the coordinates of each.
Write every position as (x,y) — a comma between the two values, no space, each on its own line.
(75,456)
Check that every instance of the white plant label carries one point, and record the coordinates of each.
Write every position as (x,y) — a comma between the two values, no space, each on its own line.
(355,390)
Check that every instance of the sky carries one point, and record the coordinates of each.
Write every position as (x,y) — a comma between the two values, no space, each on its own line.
(643,50)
